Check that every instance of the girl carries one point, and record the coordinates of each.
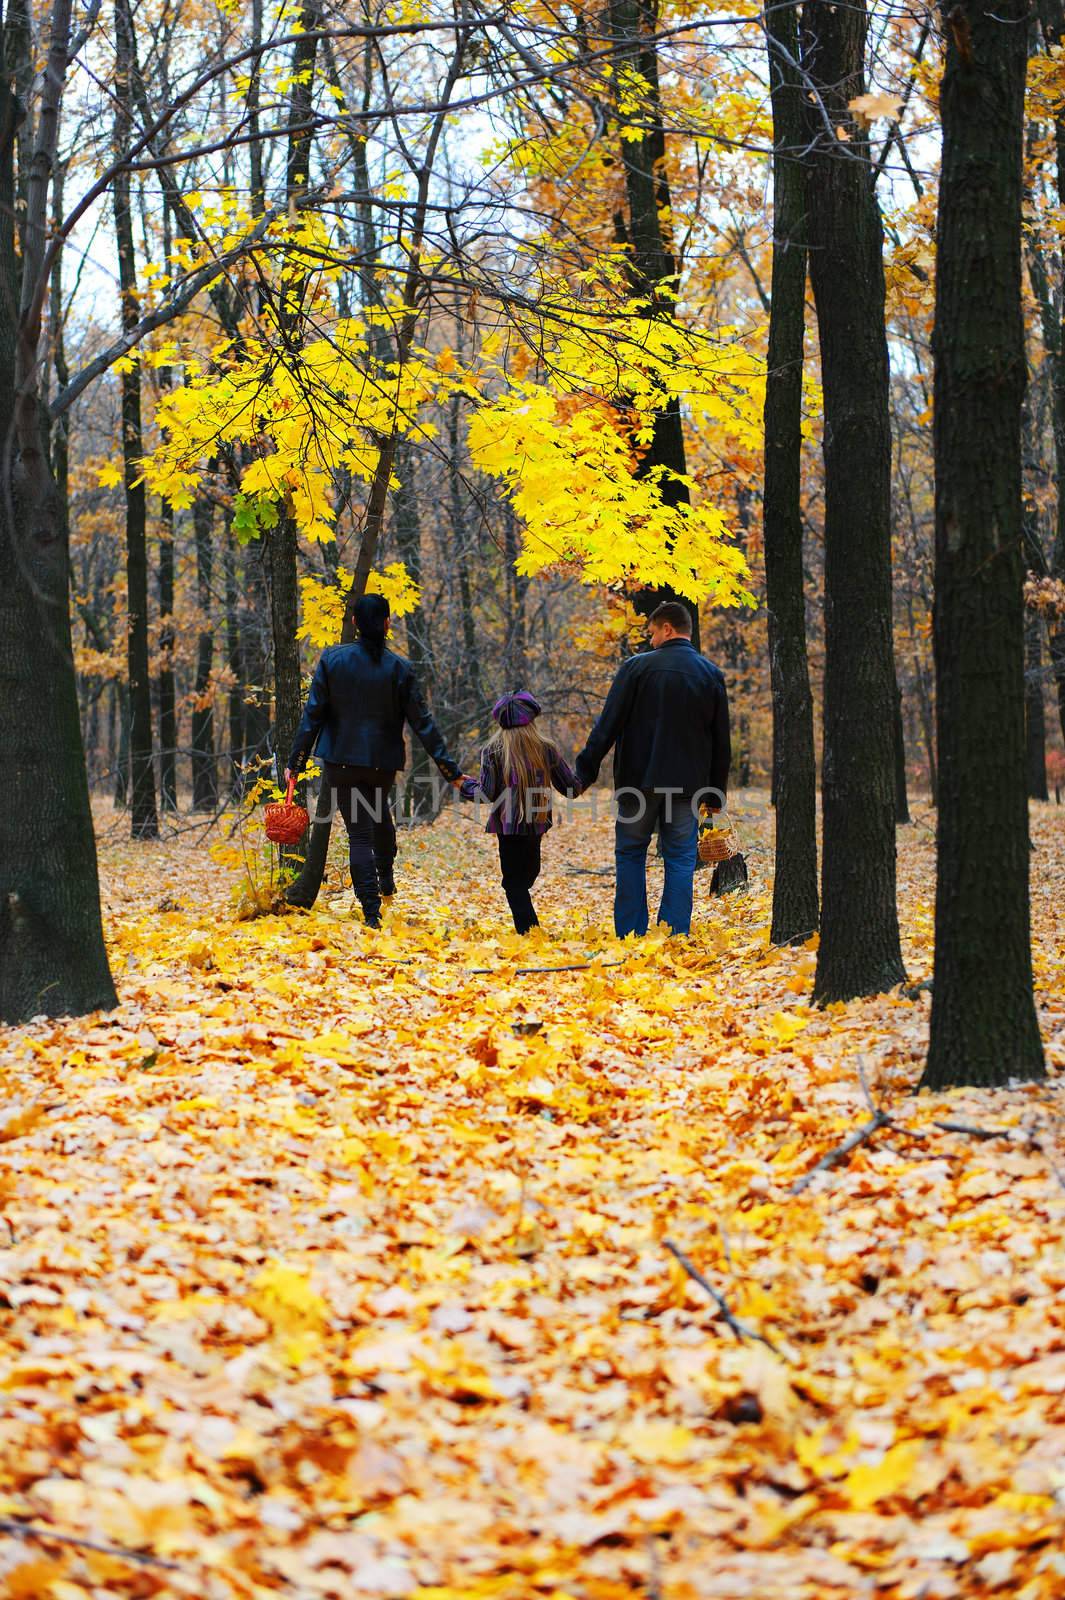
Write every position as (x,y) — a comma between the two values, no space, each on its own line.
(518,769)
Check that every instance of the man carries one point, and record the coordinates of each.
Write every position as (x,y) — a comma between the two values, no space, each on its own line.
(667,716)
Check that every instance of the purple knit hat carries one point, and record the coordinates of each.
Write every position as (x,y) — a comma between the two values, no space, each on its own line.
(517,709)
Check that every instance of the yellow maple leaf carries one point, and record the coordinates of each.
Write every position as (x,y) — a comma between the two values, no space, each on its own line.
(284,1297)
(864,1485)
(658,1441)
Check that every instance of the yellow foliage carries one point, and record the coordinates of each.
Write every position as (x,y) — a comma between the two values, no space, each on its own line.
(323,602)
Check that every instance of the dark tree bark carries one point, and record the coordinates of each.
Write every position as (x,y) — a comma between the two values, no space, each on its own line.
(902,799)
(52,956)
(234,658)
(795,908)
(1035,726)
(255,653)
(1052,18)
(516,588)
(418,790)
(168,723)
(144,821)
(983,1028)
(284,619)
(204,764)
(471,667)
(282,540)
(633,27)
(120,766)
(859,951)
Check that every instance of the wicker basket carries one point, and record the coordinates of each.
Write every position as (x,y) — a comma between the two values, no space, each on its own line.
(717,844)
(285,823)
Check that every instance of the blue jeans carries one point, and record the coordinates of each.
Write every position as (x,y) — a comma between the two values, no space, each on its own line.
(640,814)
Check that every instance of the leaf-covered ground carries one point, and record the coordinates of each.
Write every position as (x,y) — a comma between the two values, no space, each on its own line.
(338,1263)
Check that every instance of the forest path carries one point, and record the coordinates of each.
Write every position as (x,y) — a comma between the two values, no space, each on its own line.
(337,1265)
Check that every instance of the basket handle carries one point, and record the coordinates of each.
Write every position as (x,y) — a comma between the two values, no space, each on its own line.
(290,791)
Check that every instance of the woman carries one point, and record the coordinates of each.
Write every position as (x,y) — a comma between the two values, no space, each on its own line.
(361,695)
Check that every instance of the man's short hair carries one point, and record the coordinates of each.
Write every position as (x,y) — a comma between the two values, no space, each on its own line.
(677,616)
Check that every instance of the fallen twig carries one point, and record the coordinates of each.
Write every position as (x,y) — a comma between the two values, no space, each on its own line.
(975,1132)
(35,1530)
(740,1329)
(878,1120)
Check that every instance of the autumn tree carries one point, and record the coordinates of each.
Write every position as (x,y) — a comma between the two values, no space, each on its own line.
(795,907)
(859,951)
(984,1028)
(144,821)
(52,956)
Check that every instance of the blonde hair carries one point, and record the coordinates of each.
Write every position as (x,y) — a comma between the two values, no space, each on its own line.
(525,761)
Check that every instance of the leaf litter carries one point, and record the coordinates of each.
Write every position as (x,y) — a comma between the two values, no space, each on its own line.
(339,1263)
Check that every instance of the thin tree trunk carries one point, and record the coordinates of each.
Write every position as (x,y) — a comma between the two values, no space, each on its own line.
(204,763)
(282,540)
(515,666)
(255,653)
(1052,18)
(983,1026)
(460,534)
(144,822)
(795,908)
(121,768)
(644,229)
(419,790)
(902,799)
(234,657)
(860,952)
(1034,711)
(168,723)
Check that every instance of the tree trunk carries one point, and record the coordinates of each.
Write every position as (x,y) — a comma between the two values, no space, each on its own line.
(234,658)
(859,952)
(1034,712)
(168,724)
(642,148)
(461,540)
(418,790)
(983,1028)
(795,909)
(1052,17)
(204,764)
(144,822)
(121,767)
(282,540)
(902,799)
(52,956)
(515,666)
(255,653)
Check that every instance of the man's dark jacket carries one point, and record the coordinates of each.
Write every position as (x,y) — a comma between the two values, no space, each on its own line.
(667,715)
(356,710)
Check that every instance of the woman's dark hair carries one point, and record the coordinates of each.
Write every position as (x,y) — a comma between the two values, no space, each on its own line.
(371,622)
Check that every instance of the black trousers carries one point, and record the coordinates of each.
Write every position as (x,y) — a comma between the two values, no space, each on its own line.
(363,804)
(519,861)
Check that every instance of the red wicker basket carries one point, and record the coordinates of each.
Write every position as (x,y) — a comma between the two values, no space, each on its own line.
(284,822)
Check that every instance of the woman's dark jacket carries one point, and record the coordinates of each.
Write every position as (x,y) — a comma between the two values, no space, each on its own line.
(667,717)
(356,709)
